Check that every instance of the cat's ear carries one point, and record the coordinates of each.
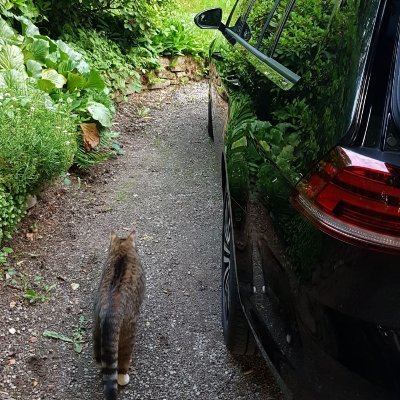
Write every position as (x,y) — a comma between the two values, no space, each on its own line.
(114,237)
(132,236)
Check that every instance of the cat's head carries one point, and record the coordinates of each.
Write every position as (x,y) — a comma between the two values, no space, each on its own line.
(117,242)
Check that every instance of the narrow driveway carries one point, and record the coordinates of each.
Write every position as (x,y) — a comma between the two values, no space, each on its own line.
(166,186)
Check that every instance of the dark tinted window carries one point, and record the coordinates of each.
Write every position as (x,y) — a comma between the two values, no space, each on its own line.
(260,22)
(327,43)
(289,31)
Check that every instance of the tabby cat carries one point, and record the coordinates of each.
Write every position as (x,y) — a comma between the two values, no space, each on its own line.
(116,311)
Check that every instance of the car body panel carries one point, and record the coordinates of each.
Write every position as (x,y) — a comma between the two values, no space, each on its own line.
(324,313)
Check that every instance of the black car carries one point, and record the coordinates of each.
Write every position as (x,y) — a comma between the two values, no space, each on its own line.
(304,110)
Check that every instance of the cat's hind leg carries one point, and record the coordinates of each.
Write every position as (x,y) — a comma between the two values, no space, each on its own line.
(125,348)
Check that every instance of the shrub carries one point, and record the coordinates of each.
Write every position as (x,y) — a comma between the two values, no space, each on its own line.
(11,211)
(117,69)
(37,140)
(37,143)
(176,38)
(127,21)
(54,67)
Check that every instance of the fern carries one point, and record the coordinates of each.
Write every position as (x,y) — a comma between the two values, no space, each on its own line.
(105,149)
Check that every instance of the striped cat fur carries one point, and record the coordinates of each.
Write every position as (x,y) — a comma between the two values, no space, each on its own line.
(116,311)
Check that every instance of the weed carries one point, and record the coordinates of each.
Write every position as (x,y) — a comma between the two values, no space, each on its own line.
(32,296)
(121,196)
(48,288)
(4,252)
(33,290)
(78,335)
(65,179)
(35,295)
(142,112)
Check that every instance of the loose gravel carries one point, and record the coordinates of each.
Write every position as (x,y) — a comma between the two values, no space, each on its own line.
(167,188)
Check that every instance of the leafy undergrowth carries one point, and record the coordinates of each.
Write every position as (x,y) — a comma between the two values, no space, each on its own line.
(57,98)
(47,91)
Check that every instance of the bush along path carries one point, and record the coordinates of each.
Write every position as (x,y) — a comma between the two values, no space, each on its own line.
(167,188)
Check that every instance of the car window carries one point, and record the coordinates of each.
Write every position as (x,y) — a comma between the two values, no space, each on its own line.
(251,24)
(288,31)
(261,22)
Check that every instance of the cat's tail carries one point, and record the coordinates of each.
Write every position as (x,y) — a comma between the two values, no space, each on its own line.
(109,357)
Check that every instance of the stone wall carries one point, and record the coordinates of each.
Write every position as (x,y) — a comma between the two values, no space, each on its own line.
(174,71)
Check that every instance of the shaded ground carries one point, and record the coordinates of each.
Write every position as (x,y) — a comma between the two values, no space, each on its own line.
(166,187)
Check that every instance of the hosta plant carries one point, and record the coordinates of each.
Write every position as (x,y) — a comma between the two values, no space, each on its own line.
(29,59)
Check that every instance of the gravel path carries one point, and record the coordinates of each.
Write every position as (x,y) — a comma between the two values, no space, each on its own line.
(166,186)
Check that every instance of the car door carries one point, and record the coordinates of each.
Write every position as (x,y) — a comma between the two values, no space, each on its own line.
(303,96)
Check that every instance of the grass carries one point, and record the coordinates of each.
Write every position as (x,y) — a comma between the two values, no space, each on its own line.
(121,196)
(191,7)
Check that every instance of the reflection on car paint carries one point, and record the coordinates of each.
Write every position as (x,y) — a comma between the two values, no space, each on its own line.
(337,303)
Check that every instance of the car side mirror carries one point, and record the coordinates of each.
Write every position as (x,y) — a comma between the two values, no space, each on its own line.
(209,19)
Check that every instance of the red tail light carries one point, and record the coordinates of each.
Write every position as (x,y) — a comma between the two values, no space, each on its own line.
(353,198)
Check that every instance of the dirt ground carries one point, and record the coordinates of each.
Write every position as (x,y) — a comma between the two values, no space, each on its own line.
(166,187)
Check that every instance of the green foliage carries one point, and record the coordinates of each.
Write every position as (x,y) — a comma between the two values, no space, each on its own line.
(107,148)
(78,335)
(119,70)
(32,296)
(281,139)
(36,291)
(176,38)
(37,140)
(37,143)
(4,252)
(138,18)
(21,7)
(122,38)
(11,211)
(33,288)
(46,90)
(53,67)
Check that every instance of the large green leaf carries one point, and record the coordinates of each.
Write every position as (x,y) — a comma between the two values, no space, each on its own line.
(6,32)
(83,67)
(67,53)
(75,81)
(56,335)
(52,44)
(52,60)
(14,79)
(94,80)
(28,28)
(53,76)
(66,66)
(100,113)
(11,57)
(40,50)
(34,69)
(46,85)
